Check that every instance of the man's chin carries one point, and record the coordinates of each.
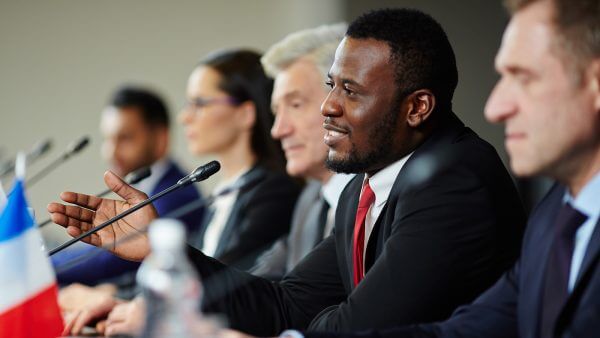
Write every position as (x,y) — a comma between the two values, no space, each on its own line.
(523,170)
(344,166)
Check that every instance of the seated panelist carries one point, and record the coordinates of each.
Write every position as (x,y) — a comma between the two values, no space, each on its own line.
(431,219)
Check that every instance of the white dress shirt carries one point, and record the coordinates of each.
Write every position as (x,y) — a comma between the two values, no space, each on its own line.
(586,203)
(222,205)
(381,183)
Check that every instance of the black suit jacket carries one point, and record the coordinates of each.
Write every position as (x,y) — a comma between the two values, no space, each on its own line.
(261,214)
(511,308)
(451,225)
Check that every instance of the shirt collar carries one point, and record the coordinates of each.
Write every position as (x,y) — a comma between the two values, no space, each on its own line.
(381,183)
(587,200)
(332,189)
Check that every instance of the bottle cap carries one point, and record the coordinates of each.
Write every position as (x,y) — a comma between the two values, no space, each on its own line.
(166,234)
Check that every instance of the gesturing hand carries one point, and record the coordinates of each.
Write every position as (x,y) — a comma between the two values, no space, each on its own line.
(126,238)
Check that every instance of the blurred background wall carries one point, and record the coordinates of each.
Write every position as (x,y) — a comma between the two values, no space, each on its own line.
(61,59)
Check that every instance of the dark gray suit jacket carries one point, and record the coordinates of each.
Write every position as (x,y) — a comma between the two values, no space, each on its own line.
(306,232)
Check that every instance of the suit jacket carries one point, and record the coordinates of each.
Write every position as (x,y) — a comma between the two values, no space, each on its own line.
(304,235)
(260,215)
(90,265)
(451,225)
(511,308)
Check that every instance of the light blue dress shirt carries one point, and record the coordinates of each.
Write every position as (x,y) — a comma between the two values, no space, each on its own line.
(588,203)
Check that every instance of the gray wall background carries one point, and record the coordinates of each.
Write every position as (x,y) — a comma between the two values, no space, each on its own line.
(61,59)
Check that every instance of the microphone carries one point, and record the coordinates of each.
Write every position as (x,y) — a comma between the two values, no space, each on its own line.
(132,178)
(72,149)
(200,174)
(38,150)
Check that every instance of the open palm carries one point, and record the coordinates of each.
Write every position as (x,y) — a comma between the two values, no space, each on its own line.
(126,237)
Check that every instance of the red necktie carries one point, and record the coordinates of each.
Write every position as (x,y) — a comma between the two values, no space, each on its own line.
(366,199)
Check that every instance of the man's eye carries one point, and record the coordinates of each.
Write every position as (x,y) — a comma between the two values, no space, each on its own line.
(329,84)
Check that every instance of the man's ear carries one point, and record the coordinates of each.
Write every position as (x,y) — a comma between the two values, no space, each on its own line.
(248,114)
(595,78)
(420,104)
(161,141)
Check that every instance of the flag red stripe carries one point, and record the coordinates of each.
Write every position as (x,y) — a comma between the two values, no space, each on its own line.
(38,316)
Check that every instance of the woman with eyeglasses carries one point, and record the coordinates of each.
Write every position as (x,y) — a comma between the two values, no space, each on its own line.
(228,115)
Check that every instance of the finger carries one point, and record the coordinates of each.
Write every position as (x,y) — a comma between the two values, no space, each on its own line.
(69,319)
(82,320)
(101,327)
(83,200)
(127,192)
(66,221)
(117,314)
(119,328)
(79,213)
(93,239)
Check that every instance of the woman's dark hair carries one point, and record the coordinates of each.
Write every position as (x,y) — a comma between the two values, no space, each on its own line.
(243,78)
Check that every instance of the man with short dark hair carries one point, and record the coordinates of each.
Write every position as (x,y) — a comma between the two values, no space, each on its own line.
(135,130)
(431,220)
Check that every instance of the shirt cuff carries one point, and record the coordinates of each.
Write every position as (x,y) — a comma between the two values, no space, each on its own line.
(291,334)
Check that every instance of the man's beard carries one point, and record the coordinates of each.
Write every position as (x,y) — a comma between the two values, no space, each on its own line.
(379,148)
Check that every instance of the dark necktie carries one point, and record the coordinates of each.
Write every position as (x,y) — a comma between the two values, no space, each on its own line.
(366,200)
(323,212)
(556,280)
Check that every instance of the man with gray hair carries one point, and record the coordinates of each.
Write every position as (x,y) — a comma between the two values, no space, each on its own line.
(299,65)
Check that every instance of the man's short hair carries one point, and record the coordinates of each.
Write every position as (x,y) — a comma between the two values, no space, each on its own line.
(420,51)
(578,27)
(316,44)
(150,105)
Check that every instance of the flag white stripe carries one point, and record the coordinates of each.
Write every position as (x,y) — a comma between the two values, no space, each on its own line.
(24,269)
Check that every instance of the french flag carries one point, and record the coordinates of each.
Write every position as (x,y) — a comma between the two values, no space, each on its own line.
(28,290)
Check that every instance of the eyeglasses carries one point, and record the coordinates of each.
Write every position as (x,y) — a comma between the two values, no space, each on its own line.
(196,104)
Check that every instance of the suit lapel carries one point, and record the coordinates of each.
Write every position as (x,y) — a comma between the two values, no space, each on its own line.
(246,183)
(534,259)
(590,262)
(345,216)
(533,275)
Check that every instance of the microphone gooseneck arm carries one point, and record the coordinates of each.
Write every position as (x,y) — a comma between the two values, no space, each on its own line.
(200,174)
(73,149)
(38,150)
(114,219)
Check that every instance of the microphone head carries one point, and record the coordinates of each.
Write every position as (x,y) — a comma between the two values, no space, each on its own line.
(78,145)
(138,175)
(201,173)
(39,149)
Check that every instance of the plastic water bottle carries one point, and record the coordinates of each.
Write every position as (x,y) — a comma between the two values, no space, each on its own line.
(171,287)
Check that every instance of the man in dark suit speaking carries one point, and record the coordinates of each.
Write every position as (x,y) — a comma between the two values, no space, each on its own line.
(548,97)
(431,221)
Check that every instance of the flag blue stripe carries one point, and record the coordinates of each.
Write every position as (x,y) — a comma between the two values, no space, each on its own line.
(15,218)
